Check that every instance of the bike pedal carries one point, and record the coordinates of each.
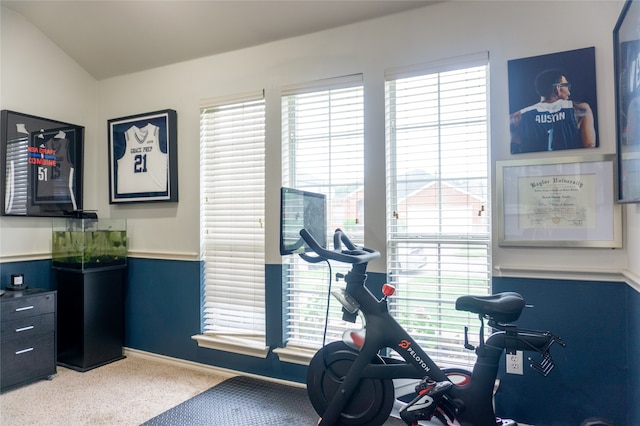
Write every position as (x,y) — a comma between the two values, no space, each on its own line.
(425,404)
(439,389)
(426,385)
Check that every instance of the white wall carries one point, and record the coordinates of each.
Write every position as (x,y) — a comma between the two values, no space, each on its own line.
(508,30)
(38,78)
(633,240)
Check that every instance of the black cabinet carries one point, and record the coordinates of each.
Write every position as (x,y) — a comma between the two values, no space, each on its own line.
(90,317)
(28,326)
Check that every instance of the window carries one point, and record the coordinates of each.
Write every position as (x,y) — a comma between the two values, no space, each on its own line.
(232,133)
(323,143)
(438,218)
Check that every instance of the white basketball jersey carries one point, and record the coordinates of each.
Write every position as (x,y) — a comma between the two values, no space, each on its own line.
(143,167)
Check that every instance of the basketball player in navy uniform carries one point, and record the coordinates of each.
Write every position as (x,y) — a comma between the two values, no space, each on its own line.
(555,122)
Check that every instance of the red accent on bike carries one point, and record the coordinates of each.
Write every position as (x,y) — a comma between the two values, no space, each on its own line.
(459,379)
(357,339)
(388,290)
(423,391)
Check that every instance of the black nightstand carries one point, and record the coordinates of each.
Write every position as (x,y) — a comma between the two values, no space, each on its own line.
(28,325)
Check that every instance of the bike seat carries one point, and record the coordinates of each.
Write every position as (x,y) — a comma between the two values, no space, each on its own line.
(502,307)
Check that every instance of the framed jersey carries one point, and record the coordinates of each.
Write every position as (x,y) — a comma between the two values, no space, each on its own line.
(143,161)
(42,163)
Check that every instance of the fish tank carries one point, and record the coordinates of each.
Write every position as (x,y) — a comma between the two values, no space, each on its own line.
(89,243)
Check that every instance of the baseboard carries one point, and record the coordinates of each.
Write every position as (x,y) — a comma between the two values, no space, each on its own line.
(224,372)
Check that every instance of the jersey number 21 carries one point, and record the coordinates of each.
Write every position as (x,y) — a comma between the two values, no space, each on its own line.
(140,163)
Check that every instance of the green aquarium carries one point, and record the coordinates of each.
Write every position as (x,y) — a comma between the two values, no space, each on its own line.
(89,243)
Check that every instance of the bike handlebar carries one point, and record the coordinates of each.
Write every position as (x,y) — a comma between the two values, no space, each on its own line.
(353,253)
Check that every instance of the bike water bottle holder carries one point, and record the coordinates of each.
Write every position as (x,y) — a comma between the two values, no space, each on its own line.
(530,340)
(543,367)
(511,341)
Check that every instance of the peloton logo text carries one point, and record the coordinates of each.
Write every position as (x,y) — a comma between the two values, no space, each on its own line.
(405,344)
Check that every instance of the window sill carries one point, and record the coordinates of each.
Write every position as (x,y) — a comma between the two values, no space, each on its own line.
(243,345)
(295,354)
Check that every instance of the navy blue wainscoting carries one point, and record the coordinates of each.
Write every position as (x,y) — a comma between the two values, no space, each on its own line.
(592,377)
(162,306)
(633,356)
(596,375)
(163,310)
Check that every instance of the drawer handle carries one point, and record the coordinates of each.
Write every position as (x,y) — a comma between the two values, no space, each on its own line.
(30,327)
(24,351)
(26,308)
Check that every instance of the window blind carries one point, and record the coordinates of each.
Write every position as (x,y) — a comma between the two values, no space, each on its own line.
(438,202)
(17,176)
(232,132)
(323,151)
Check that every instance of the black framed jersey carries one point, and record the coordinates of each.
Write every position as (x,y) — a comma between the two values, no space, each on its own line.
(143,166)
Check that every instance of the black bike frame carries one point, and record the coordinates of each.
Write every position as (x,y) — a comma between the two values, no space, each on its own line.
(383,331)
(475,398)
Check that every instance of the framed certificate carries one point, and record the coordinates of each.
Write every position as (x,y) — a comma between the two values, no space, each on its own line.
(143,158)
(558,202)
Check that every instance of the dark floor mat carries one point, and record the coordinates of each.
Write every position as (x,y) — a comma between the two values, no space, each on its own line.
(245,401)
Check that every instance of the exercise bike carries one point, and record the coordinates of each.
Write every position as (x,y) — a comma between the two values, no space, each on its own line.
(351,382)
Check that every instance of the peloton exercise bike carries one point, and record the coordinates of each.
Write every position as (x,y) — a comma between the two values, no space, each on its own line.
(351,382)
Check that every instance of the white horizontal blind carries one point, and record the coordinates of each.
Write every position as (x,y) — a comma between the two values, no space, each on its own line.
(232,133)
(323,151)
(438,203)
(17,176)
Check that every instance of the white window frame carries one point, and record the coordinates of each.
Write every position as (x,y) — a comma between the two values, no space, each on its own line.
(232,224)
(301,349)
(424,250)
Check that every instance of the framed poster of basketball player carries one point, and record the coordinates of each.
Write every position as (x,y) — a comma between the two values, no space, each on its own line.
(552,102)
(41,167)
(143,158)
(626,40)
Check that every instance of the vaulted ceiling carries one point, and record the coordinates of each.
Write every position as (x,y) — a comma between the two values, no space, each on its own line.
(115,37)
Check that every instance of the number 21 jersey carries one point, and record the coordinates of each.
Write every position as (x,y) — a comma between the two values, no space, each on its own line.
(143,167)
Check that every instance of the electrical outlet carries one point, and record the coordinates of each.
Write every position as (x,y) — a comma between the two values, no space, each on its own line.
(514,363)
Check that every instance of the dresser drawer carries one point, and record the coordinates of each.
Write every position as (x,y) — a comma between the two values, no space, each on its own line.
(25,360)
(22,307)
(28,327)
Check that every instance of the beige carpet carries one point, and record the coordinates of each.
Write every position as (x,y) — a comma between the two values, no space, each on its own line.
(126,392)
